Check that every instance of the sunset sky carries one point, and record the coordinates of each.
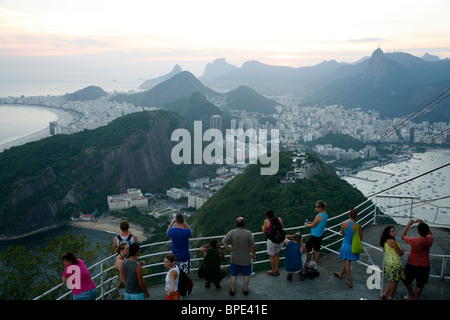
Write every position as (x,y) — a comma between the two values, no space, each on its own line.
(149,37)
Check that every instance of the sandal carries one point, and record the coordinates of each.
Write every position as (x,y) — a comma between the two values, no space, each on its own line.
(272,273)
(337,275)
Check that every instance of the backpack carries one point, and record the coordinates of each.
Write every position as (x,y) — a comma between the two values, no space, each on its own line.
(277,234)
(185,284)
(311,273)
(127,239)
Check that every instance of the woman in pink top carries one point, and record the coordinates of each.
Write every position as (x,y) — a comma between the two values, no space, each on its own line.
(418,266)
(78,278)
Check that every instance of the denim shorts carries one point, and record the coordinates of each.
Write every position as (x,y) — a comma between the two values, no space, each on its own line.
(87,295)
(246,270)
(134,296)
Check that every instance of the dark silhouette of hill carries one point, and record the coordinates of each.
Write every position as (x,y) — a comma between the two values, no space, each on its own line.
(245,98)
(181,85)
(88,93)
(394,84)
(184,84)
(197,108)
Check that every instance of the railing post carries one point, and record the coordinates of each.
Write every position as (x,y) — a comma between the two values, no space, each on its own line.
(102,278)
(375,211)
(411,211)
(444,267)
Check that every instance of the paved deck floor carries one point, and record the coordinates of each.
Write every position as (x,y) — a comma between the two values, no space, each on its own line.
(327,286)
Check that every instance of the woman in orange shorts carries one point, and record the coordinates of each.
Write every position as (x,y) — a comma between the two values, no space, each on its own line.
(172,277)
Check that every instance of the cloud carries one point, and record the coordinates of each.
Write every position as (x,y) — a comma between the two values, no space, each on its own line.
(85,42)
(369,39)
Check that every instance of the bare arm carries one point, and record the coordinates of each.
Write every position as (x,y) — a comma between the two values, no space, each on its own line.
(317,219)
(393,244)
(405,231)
(140,278)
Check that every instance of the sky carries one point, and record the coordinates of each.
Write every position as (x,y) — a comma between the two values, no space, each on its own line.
(145,39)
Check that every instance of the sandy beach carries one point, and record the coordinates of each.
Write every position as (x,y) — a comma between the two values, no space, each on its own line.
(110,225)
(64,118)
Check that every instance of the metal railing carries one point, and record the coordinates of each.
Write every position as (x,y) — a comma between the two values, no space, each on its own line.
(369,213)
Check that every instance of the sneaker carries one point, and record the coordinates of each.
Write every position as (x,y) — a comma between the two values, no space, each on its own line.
(314,265)
(302,276)
(289,277)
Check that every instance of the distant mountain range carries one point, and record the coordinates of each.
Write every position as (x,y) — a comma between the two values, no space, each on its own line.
(184,84)
(395,84)
(147,85)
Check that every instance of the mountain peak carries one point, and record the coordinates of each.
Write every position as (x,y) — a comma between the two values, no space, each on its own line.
(153,82)
(430,57)
(216,69)
(176,69)
(378,53)
(378,66)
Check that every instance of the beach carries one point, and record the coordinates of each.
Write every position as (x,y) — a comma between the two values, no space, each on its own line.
(64,118)
(110,225)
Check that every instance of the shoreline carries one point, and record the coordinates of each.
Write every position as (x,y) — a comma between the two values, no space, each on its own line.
(109,225)
(64,118)
(20,236)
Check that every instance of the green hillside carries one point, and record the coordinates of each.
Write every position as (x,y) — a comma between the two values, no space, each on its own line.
(43,182)
(197,108)
(250,194)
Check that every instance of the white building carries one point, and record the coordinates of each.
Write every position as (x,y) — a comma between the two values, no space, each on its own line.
(198,199)
(175,193)
(133,197)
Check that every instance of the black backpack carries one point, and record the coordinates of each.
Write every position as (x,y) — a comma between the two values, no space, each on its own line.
(311,273)
(185,284)
(277,234)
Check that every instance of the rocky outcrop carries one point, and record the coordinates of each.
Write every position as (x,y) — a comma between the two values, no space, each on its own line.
(140,161)
(318,168)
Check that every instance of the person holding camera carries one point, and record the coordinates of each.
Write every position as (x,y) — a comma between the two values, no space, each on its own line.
(418,267)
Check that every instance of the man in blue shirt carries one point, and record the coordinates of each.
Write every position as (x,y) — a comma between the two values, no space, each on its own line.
(180,232)
(295,252)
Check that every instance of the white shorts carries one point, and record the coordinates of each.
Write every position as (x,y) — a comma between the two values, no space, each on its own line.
(273,248)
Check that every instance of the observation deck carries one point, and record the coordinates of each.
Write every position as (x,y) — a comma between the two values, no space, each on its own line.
(327,286)
(367,279)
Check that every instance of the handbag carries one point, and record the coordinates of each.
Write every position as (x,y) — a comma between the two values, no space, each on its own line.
(201,271)
(357,246)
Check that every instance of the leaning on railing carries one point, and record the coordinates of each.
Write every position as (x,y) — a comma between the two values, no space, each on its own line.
(107,276)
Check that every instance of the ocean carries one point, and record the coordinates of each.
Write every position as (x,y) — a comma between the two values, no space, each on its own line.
(39,239)
(58,86)
(435,185)
(17,122)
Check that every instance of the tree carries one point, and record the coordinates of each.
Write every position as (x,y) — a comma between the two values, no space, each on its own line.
(27,273)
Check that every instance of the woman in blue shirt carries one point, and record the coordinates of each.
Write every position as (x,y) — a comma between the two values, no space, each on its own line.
(317,232)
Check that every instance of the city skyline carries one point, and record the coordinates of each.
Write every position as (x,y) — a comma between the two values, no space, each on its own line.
(147,39)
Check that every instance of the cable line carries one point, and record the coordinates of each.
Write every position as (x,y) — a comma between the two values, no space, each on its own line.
(410,118)
(420,175)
